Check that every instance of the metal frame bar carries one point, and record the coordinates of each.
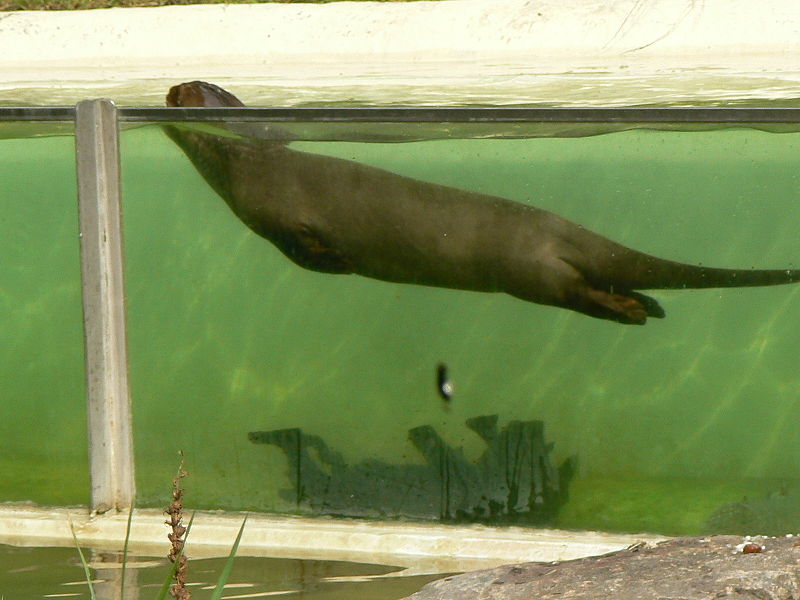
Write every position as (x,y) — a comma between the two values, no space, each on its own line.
(37,113)
(108,398)
(467,115)
(402,114)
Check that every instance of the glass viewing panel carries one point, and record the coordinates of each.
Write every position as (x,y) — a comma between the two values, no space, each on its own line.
(43,452)
(313,391)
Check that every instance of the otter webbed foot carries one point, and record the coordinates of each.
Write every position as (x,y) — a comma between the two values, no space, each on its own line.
(630,308)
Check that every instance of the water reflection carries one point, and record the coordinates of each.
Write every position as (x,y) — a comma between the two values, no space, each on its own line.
(27,572)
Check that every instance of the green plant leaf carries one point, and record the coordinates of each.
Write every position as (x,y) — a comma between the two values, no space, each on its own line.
(83,562)
(226,571)
(125,551)
(165,586)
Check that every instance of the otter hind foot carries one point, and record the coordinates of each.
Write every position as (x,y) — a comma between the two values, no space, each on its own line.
(627,307)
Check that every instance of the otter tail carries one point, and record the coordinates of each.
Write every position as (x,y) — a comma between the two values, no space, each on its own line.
(632,270)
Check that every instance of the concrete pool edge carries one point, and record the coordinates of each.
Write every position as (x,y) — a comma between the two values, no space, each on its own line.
(420,548)
(552,51)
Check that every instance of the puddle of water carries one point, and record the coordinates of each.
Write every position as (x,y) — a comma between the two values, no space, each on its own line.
(33,572)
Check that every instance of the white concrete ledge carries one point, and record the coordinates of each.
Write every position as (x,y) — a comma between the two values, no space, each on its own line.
(422,548)
(454,51)
(541,29)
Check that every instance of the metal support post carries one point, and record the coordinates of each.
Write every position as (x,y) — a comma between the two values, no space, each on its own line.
(110,436)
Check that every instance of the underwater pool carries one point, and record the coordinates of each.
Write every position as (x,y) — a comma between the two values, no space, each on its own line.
(682,426)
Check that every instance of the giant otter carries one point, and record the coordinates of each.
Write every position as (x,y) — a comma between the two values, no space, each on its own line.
(338,216)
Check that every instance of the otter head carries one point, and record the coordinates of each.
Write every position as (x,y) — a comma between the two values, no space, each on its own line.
(200,93)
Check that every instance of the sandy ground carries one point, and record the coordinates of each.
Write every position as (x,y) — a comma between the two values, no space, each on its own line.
(453,51)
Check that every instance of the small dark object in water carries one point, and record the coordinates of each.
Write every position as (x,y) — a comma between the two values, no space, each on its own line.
(443,384)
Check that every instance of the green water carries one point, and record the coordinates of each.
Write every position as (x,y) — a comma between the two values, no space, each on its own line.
(28,573)
(668,422)
(43,456)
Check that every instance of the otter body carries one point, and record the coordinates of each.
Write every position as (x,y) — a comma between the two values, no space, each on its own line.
(338,216)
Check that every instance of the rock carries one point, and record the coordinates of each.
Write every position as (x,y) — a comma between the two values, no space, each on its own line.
(772,514)
(679,569)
